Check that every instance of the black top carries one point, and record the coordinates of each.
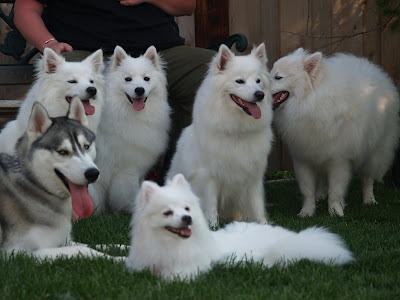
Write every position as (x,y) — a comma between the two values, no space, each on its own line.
(94,24)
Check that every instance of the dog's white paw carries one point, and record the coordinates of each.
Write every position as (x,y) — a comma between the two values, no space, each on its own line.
(370,200)
(306,212)
(336,209)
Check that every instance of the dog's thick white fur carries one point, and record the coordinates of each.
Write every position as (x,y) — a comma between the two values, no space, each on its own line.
(57,81)
(224,152)
(171,237)
(337,115)
(133,132)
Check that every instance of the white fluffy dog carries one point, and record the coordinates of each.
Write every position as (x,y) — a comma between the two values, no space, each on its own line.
(134,127)
(57,81)
(171,237)
(224,152)
(337,115)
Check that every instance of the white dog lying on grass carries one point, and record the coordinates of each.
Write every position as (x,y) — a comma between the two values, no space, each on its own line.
(171,237)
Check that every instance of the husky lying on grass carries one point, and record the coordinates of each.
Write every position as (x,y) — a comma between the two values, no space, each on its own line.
(52,166)
(171,237)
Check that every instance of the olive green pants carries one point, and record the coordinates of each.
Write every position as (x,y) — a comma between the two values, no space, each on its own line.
(186,67)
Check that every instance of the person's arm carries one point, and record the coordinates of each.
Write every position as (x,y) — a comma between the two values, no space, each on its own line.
(172,7)
(27,18)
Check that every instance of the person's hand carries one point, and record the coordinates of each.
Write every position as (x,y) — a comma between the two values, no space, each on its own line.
(59,47)
(131,2)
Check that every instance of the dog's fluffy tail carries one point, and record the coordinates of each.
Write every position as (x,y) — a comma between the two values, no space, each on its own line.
(315,244)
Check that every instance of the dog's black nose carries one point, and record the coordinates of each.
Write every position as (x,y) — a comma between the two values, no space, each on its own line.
(92,174)
(187,220)
(139,91)
(259,95)
(91,91)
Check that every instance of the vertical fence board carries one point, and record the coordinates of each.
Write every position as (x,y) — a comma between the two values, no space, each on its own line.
(390,59)
(270,35)
(293,16)
(244,17)
(346,24)
(371,40)
(321,26)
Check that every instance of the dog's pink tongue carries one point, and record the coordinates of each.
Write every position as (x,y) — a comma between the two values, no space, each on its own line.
(89,109)
(138,103)
(81,202)
(253,109)
(186,232)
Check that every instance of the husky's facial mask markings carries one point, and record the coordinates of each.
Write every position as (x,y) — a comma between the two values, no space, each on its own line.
(68,157)
(50,171)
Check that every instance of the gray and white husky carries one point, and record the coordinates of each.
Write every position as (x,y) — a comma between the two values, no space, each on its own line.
(52,165)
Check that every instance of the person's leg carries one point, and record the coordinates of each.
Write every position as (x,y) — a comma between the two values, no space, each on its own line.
(186,68)
(76,55)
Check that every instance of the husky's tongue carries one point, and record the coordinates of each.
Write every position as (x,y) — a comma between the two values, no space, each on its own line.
(89,109)
(81,202)
(138,103)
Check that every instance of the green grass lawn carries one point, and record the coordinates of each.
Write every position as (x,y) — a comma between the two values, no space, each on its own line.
(371,232)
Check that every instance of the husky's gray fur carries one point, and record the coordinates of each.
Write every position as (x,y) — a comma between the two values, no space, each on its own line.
(52,161)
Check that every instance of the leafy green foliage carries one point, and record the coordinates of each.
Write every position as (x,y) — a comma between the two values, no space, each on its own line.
(390,9)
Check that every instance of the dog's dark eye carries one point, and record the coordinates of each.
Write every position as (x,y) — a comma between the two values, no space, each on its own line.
(127,79)
(86,147)
(277,77)
(168,213)
(146,78)
(91,81)
(187,208)
(63,152)
(72,81)
(240,81)
(258,81)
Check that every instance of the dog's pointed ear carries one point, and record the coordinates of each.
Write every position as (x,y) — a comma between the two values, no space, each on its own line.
(299,50)
(118,56)
(223,57)
(179,180)
(261,54)
(312,64)
(146,192)
(51,60)
(39,121)
(96,60)
(152,55)
(77,111)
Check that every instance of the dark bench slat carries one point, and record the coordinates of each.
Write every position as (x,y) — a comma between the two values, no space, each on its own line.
(16,74)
